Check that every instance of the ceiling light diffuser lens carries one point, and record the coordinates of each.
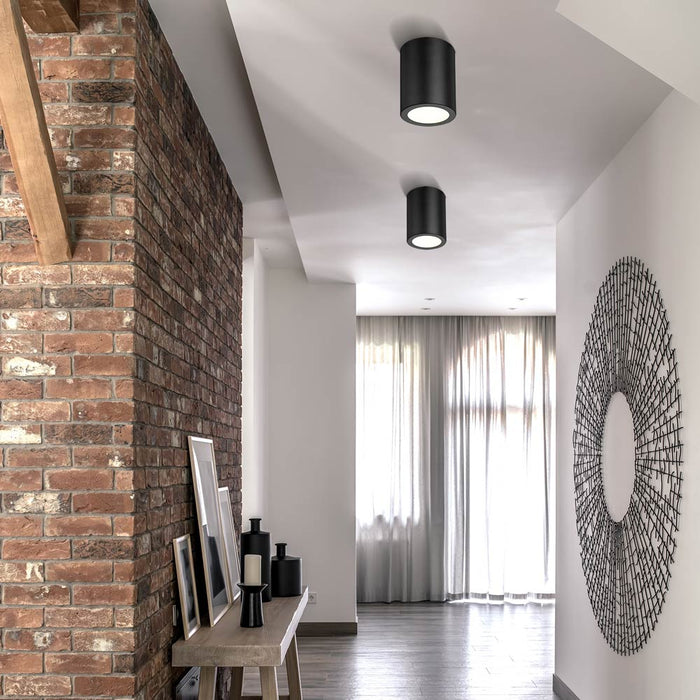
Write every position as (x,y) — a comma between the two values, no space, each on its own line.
(426,241)
(428,115)
(428,92)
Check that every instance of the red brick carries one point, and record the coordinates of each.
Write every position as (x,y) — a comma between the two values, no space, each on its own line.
(38,411)
(20,479)
(53,92)
(36,595)
(103,183)
(96,502)
(124,115)
(78,663)
(103,46)
(20,434)
(38,320)
(20,298)
(107,319)
(103,411)
(59,136)
(11,207)
(20,389)
(78,479)
(78,525)
(104,594)
(48,45)
(43,686)
(115,274)
(90,251)
(99,24)
(17,252)
(103,640)
(114,457)
(76,69)
(106,229)
(77,297)
(36,502)
(38,457)
(79,617)
(83,159)
(88,205)
(77,115)
(34,274)
(36,366)
(110,686)
(91,6)
(103,92)
(123,206)
(78,388)
(25,618)
(77,434)
(14,572)
(96,548)
(104,137)
(78,342)
(18,662)
(70,571)
(25,549)
(20,343)
(39,640)
(19,526)
(104,365)
(124,298)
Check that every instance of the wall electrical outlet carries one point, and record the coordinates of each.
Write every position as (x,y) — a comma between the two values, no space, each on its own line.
(313,597)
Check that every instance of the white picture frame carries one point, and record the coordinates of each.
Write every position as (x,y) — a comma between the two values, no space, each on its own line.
(229,530)
(206,490)
(187,588)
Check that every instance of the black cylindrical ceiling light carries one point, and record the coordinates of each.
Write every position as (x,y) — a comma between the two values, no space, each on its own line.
(428,93)
(425,218)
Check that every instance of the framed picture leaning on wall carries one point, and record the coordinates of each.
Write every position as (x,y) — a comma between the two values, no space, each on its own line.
(206,492)
(184,567)
(234,564)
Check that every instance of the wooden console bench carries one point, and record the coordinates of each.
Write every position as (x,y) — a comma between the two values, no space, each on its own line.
(227,644)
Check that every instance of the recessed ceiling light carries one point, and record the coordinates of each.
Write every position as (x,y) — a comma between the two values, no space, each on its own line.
(512,308)
(522,298)
(425,218)
(429,299)
(428,82)
(425,308)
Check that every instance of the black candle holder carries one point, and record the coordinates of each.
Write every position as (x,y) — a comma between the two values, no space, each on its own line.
(251,604)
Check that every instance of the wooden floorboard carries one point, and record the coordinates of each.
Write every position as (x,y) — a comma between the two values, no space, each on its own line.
(431,651)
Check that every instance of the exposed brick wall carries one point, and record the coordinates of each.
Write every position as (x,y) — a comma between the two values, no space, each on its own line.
(188,329)
(108,362)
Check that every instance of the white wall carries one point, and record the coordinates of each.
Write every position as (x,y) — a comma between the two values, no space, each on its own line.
(645,204)
(311,435)
(254,382)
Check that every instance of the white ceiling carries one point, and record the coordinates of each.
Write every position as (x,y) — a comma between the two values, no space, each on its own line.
(542,108)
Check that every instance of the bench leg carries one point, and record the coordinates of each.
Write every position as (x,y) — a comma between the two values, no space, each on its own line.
(236,682)
(207,683)
(291,661)
(268,681)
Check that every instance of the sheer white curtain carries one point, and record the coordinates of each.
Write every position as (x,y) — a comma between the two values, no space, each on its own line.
(454,457)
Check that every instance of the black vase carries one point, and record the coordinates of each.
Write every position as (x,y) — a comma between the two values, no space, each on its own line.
(255,541)
(286,573)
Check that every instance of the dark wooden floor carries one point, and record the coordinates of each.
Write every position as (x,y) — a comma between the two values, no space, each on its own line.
(432,651)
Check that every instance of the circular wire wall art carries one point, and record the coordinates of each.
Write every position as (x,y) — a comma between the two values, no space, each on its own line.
(628,349)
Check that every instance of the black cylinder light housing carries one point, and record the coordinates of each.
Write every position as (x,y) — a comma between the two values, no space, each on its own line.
(428,93)
(425,218)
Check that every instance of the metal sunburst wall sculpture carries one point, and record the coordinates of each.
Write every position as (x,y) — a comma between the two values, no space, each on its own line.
(628,349)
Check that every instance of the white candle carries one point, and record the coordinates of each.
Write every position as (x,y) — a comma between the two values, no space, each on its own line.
(252,565)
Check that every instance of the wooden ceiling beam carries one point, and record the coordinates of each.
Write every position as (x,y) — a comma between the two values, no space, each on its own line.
(51,16)
(27,136)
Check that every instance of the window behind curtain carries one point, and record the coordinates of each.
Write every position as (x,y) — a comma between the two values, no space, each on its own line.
(455,475)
